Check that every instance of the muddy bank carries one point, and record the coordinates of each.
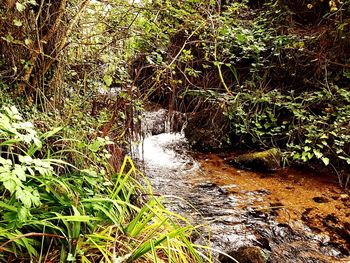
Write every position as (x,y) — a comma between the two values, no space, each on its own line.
(300,203)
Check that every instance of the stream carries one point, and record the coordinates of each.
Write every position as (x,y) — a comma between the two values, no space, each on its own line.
(286,216)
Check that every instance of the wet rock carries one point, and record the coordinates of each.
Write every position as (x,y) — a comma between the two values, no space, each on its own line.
(345,234)
(284,232)
(320,199)
(223,191)
(332,218)
(276,205)
(264,192)
(263,242)
(247,254)
(305,215)
(298,252)
(153,122)
(259,214)
(206,185)
(269,160)
(161,121)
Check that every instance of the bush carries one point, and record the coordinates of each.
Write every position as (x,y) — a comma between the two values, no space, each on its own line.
(59,209)
(309,126)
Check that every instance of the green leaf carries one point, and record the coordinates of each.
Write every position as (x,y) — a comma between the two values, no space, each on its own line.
(32,2)
(10,185)
(296,156)
(17,22)
(307,148)
(5,162)
(25,197)
(8,207)
(23,214)
(310,155)
(325,160)
(20,7)
(70,257)
(25,159)
(108,80)
(28,41)
(20,172)
(95,146)
(317,153)
(304,157)
(347,159)
(50,133)
(346,74)
(324,136)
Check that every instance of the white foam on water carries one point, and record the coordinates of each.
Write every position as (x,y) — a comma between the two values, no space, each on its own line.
(158,150)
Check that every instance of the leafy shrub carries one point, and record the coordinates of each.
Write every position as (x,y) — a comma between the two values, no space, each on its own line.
(308,126)
(53,210)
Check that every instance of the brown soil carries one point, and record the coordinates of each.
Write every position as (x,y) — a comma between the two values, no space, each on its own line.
(316,199)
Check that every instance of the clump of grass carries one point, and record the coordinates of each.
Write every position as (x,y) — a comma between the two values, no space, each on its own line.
(60,204)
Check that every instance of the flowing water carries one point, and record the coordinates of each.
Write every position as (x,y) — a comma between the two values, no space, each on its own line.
(287,216)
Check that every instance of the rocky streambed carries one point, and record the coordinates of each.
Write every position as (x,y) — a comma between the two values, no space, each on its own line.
(285,216)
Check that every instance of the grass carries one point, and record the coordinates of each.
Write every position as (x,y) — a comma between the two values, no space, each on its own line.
(61,201)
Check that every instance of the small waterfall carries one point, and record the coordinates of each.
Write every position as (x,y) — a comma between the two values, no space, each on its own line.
(161,130)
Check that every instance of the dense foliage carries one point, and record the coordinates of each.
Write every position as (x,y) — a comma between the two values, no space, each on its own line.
(69,191)
(278,69)
(58,210)
(79,72)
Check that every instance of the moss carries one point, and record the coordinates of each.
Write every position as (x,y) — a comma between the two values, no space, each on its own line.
(268,160)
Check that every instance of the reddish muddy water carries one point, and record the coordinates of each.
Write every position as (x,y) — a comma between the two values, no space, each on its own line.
(290,216)
(293,195)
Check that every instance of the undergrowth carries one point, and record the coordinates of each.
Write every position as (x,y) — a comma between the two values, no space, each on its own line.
(278,70)
(310,126)
(62,201)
